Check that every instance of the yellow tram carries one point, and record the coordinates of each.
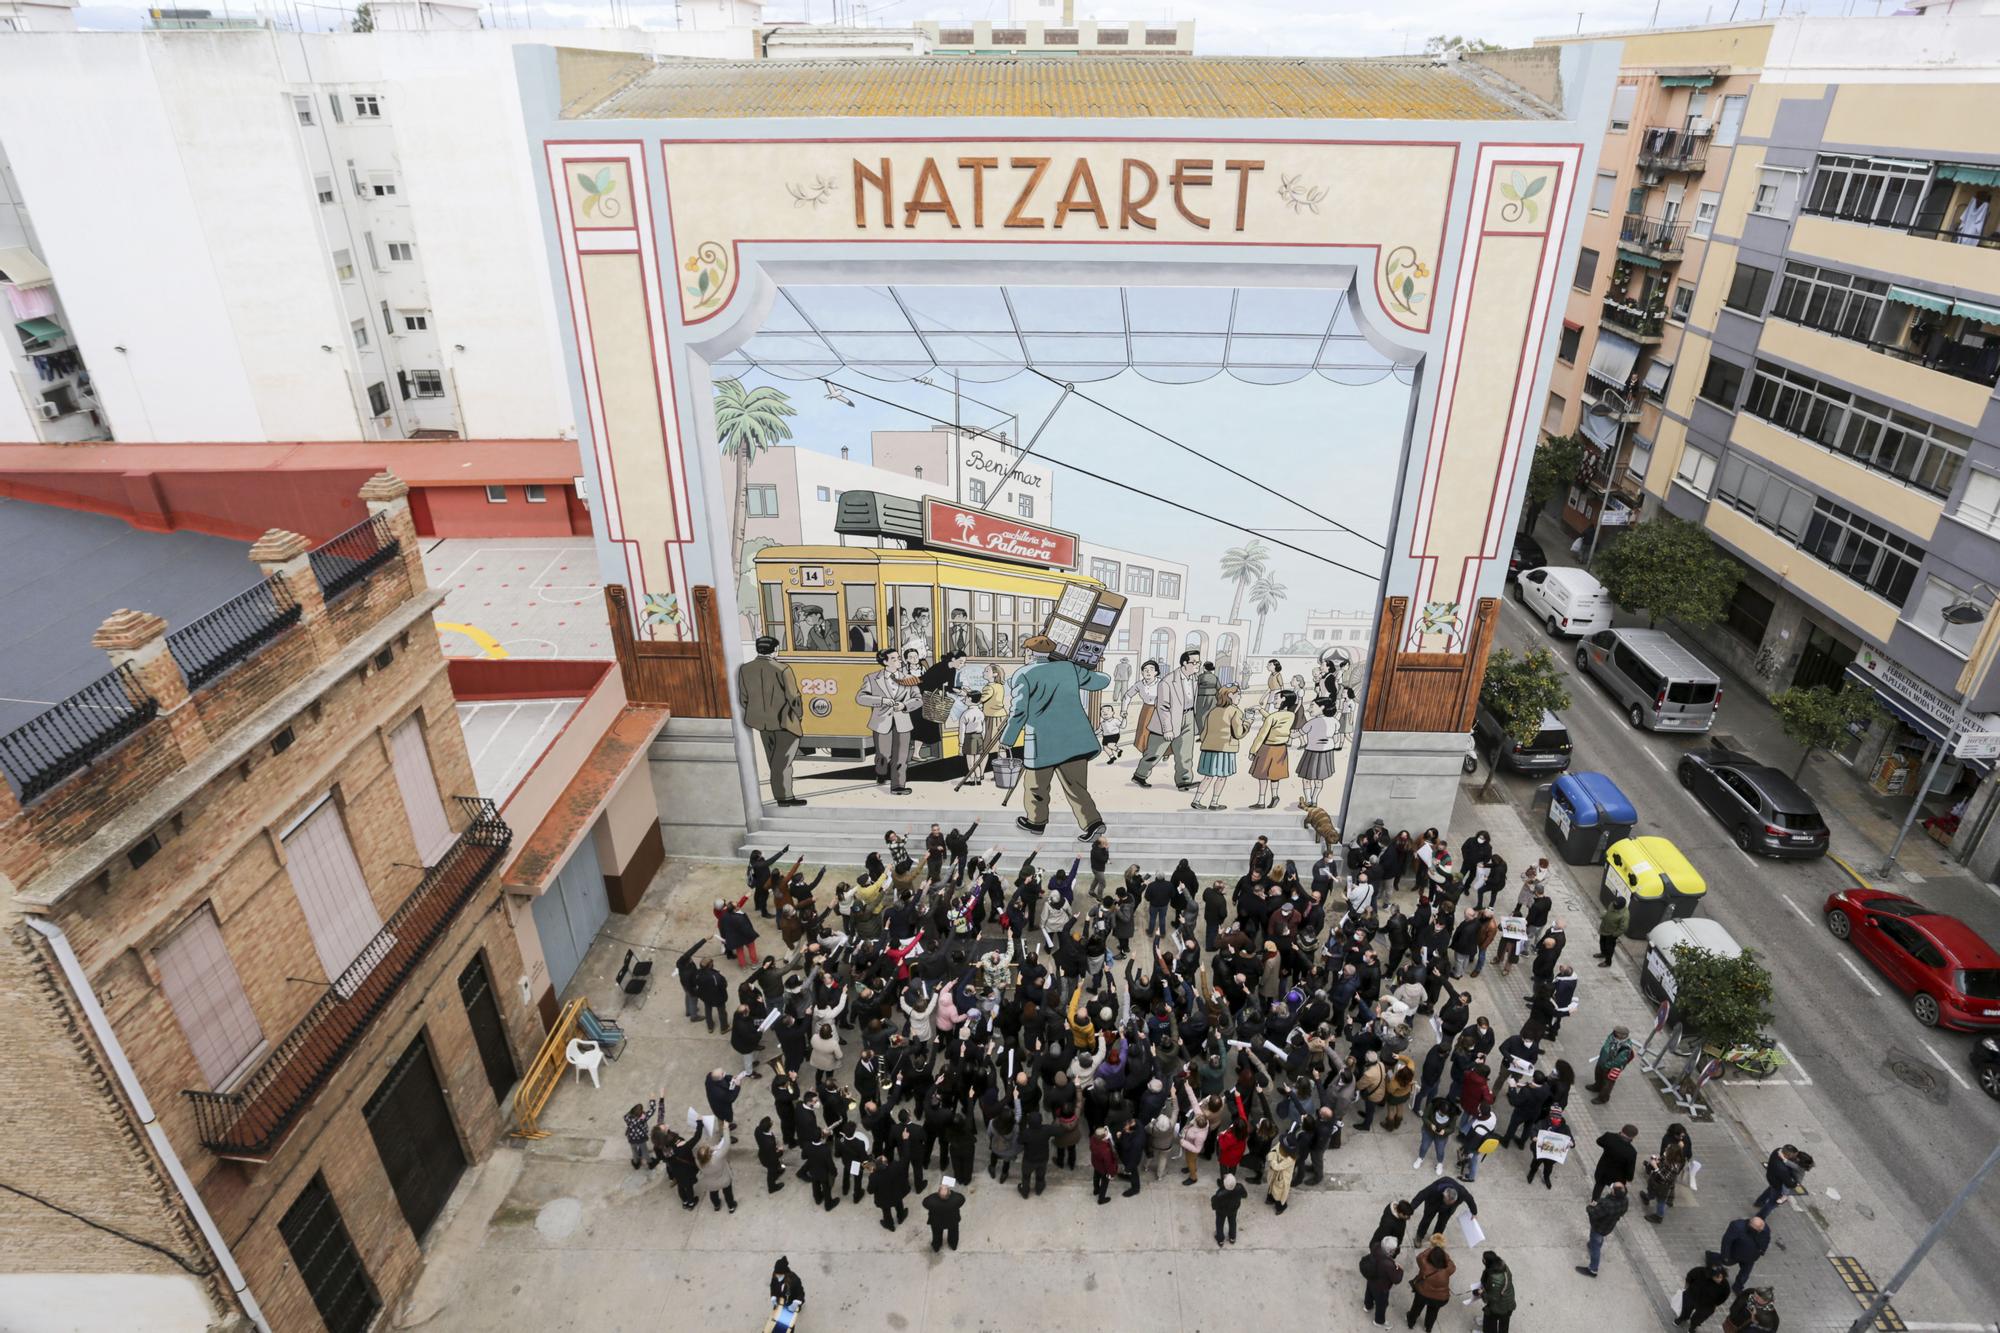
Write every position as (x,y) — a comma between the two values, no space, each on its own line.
(832,607)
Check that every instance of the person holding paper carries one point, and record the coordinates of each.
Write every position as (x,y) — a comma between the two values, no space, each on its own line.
(1496,1293)
(1552,1143)
(1439,1200)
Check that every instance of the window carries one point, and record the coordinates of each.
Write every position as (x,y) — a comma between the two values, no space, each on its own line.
(1105,572)
(975,491)
(1750,614)
(416,321)
(1604,191)
(1721,382)
(535,495)
(1124,638)
(1622,102)
(1979,507)
(763,501)
(359,328)
(1748,290)
(860,616)
(1777,192)
(1552,415)
(1866,552)
(1906,447)
(326,1261)
(822,494)
(496,495)
(340,914)
(1927,616)
(323,187)
(1875,191)
(382,185)
(1697,469)
(410,758)
(1635,199)
(1843,304)
(378,398)
(1767,498)
(1641,458)
(427,383)
(333,105)
(343,265)
(1683,301)
(1586,269)
(367,106)
(1025,504)
(1567,344)
(206,994)
(1170,584)
(1705,205)
(400,251)
(1138,581)
(302,107)
(1730,123)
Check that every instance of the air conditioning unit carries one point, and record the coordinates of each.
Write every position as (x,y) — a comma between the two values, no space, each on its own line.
(50,411)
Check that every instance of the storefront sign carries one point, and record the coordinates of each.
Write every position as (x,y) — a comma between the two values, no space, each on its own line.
(951,527)
(1052,193)
(1981,737)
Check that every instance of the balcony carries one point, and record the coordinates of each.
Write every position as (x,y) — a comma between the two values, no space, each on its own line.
(1666,150)
(1632,320)
(1658,238)
(249,1123)
(342,562)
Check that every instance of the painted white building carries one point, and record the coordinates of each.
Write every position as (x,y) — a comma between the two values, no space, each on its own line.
(37,15)
(1339,629)
(795,493)
(985,470)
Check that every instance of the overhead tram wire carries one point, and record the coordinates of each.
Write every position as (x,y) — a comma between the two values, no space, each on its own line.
(1150,430)
(1014,470)
(1136,490)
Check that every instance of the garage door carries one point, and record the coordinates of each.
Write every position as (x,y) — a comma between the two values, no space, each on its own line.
(568,916)
(411,1125)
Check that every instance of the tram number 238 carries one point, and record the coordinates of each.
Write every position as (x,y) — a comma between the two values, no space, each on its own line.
(818,686)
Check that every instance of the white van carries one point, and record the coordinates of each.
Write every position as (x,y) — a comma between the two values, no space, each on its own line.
(1570,602)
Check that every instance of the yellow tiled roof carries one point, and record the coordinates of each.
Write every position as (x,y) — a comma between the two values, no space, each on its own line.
(595,88)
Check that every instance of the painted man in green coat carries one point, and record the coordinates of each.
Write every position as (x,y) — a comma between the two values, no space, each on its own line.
(1048,705)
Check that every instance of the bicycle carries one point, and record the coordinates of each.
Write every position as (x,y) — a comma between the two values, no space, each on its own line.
(1759,1059)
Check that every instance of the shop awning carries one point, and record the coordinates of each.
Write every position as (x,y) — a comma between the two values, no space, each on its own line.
(1911,296)
(1915,718)
(1686,80)
(1970,174)
(41,330)
(22,267)
(1985,314)
(1634,257)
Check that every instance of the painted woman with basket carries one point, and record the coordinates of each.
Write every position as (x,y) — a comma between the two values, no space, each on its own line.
(936,685)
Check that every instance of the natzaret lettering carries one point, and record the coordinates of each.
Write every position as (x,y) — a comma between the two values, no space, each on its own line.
(1038,198)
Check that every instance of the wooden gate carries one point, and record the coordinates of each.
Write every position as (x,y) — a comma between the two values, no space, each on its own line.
(689,677)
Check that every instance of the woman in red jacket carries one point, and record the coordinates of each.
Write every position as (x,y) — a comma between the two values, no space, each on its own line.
(1104,1166)
(1229,1145)
(1477,1098)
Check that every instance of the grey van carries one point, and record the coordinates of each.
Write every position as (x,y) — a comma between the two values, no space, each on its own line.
(1660,684)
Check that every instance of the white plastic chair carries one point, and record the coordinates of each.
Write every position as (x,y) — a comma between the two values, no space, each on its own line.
(584,1057)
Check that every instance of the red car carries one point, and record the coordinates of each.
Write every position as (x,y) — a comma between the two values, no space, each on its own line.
(1951,975)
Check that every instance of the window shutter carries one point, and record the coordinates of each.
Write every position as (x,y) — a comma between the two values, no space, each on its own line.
(414,778)
(207,998)
(327,878)
(403,384)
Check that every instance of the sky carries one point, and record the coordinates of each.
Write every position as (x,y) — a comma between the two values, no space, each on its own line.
(1223,27)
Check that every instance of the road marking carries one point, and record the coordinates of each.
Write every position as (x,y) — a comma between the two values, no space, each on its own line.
(1859,975)
(486,643)
(1658,762)
(1796,908)
(1957,1077)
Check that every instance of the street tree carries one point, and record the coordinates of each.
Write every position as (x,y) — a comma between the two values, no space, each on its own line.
(1721,1001)
(1265,595)
(1821,716)
(1672,570)
(1243,566)
(747,422)
(364,18)
(1556,463)
(1454,45)
(1519,690)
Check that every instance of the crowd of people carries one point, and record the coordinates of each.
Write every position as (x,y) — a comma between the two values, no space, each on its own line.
(941,1009)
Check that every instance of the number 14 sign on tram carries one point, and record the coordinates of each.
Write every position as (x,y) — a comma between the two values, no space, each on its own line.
(955,527)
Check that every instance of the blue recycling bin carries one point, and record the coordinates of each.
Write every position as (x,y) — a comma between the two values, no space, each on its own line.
(1587,813)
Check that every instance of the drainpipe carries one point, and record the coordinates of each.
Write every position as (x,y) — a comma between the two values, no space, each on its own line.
(100,1024)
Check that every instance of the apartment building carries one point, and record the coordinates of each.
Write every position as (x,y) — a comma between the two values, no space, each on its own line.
(259,1003)
(1050,28)
(1675,122)
(1832,419)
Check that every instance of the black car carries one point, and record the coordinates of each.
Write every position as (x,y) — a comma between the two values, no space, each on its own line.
(1767,813)
(1528,554)
(1986,1065)
(1548,752)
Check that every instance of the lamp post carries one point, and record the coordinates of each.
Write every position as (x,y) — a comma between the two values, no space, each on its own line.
(1963,612)
(1895,1284)
(1617,415)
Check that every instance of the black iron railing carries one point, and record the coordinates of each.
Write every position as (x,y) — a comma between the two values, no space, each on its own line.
(1632,319)
(1665,149)
(69,735)
(209,645)
(250,1121)
(341,562)
(1664,236)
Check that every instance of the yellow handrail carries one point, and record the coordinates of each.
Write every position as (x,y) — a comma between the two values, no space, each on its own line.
(545,1074)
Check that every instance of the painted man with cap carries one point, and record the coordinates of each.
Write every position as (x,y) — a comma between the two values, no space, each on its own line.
(769,695)
(1048,705)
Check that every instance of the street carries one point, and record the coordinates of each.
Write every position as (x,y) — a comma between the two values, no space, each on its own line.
(1893,1100)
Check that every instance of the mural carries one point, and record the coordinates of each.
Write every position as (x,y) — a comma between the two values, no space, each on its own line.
(1127,541)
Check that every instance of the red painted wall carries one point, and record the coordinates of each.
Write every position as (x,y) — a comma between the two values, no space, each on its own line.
(240,505)
(478,678)
(464,511)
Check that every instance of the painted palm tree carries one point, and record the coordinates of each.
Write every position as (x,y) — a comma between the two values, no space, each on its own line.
(747,422)
(1244,565)
(1265,595)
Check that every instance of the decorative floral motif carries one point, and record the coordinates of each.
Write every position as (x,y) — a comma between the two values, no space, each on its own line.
(1437,618)
(1401,271)
(1520,192)
(660,609)
(710,265)
(1300,197)
(600,194)
(811,195)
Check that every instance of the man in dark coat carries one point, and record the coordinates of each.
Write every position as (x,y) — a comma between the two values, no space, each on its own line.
(1530,1102)
(889,1186)
(1704,1290)
(1439,1200)
(944,1208)
(1036,1135)
(1603,1215)
(1744,1244)
(770,1157)
(712,989)
(1617,1161)
(1781,1177)
(1228,1197)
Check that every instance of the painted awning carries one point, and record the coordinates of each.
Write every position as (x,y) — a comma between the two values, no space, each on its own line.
(22,267)
(1613,358)
(41,330)
(1686,80)
(1985,314)
(1911,296)
(1967,172)
(1634,257)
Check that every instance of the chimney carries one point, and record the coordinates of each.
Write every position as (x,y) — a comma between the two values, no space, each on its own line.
(843,451)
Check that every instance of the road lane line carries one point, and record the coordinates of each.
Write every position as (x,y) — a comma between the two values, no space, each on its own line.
(1796,908)
(1658,762)
(1949,1068)
(1859,975)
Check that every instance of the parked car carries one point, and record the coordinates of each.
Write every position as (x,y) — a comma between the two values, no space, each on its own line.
(1950,974)
(1986,1066)
(1528,554)
(1765,811)
(1548,752)
(1568,601)
(1660,684)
